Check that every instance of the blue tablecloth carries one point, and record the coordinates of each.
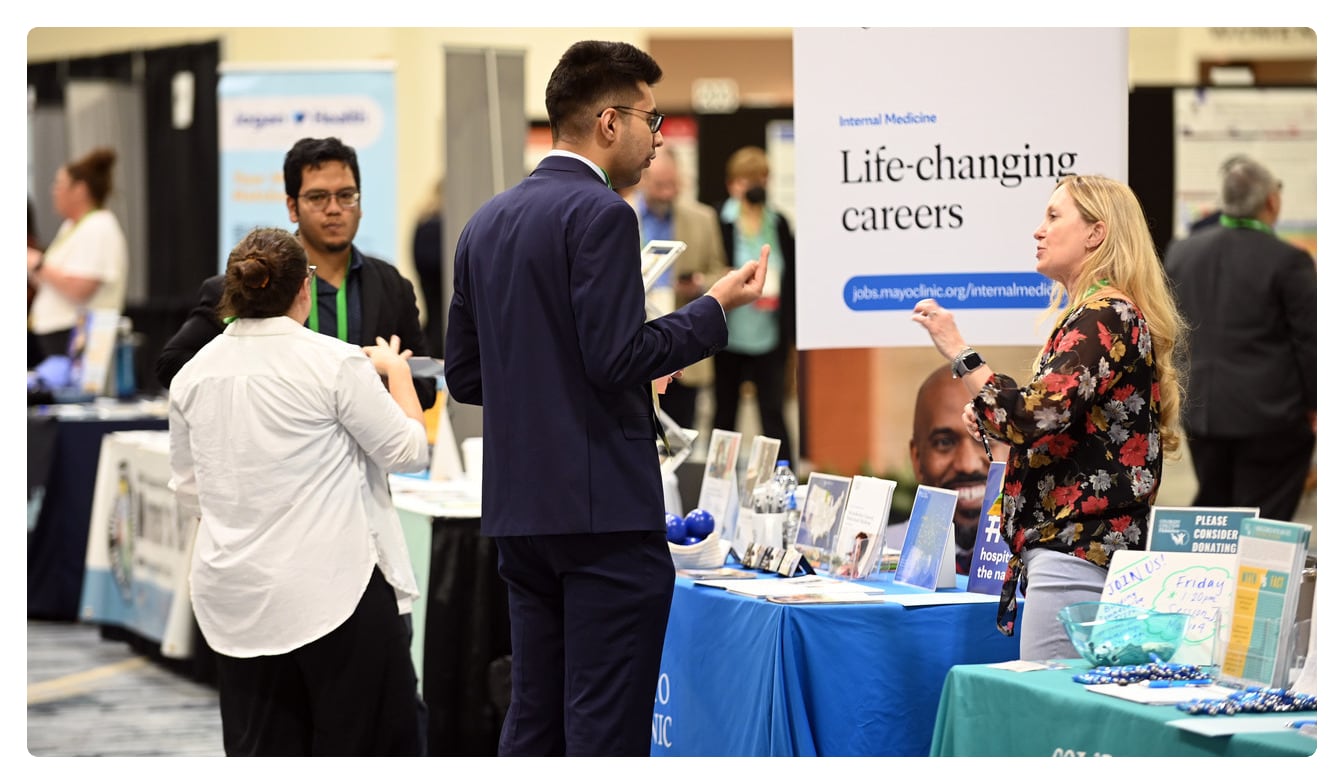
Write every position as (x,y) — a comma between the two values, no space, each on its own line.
(745,677)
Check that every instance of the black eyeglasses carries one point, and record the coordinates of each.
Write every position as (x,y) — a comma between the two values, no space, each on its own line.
(655,119)
(317,200)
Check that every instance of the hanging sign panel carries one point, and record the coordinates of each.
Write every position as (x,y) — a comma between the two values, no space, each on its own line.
(925,158)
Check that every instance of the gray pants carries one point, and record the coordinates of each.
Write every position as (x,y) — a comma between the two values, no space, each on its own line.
(1054,581)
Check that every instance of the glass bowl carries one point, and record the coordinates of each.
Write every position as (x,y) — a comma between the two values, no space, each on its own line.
(1109,634)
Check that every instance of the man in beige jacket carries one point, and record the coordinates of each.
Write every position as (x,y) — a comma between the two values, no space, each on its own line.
(664,216)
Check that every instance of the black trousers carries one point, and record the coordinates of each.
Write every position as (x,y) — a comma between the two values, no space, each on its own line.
(351,692)
(1266,471)
(766,372)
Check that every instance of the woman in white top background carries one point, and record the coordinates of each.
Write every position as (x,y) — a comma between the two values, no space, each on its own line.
(86,264)
(299,574)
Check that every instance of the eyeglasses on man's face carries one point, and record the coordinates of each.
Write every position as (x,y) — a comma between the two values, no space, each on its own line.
(317,200)
(655,119)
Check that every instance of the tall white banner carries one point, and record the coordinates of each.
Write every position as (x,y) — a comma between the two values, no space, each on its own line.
(925,158)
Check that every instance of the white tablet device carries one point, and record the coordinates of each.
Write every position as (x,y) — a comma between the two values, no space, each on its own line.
(425,367)
(658,255)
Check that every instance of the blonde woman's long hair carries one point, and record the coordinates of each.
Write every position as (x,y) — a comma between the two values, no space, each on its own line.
(1128,261)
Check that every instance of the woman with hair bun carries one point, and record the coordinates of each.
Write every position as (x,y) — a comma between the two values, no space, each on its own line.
(85,266)
(299,576)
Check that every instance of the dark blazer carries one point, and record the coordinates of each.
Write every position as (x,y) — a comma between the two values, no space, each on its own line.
(387,303)
(546,331)
(1250,299)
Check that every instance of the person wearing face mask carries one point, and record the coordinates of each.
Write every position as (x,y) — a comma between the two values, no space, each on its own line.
(1088,434)
(761,336)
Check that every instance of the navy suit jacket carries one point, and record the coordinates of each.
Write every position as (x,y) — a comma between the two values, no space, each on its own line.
(546,331)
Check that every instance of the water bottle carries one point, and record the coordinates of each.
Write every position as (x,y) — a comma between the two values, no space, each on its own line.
(125,360)
(782,487)
(792,515)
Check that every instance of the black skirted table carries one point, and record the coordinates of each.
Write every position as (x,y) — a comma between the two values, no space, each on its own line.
(63,448)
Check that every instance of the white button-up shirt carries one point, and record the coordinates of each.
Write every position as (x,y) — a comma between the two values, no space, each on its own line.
(285,437)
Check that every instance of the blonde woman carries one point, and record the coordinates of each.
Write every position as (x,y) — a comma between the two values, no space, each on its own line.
(1088,434)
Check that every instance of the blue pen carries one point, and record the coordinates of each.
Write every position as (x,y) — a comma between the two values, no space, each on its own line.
(1177,684)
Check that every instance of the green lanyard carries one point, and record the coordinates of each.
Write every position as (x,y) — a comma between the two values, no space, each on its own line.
(61,238)
(1094,288)
(1245,223)
(342,316)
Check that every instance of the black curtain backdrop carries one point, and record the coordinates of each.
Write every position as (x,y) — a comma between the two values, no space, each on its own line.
(183,196)
(182,180)
(1152,158)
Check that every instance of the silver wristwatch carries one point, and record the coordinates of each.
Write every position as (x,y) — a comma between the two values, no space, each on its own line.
(965,362)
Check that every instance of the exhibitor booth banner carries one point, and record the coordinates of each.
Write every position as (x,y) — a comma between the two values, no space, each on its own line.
(140,544)
(925,158)
(263,111)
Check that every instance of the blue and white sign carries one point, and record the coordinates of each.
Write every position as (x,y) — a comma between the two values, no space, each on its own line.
(263,111)
(925,158)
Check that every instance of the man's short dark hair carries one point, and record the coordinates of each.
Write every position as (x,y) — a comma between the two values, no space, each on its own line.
(591,76)
(309,152)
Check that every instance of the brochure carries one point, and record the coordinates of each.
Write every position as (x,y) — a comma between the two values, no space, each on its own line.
(928,558)
(1270,557)
(718,488)
(822,509)
(857,540)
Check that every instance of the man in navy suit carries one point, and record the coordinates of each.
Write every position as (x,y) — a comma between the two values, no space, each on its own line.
(546,332)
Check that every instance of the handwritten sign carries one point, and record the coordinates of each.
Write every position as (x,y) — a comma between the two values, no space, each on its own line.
(1200,585)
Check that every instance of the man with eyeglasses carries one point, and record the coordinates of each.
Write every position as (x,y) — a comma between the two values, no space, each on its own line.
(358,298)
(546,331)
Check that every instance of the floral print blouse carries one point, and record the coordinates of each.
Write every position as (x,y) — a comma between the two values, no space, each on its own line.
(1086,456)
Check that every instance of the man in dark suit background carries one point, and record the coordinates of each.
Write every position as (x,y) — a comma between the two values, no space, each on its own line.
(1250,298)
(358,297)
(546,331)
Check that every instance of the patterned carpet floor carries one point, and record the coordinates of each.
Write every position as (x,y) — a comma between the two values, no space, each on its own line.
(94,697)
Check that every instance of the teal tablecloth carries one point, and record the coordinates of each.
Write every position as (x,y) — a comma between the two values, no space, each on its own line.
(985,711)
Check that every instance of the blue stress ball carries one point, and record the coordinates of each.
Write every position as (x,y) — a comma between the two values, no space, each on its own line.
(691,540)
(676,529)
(699,523)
